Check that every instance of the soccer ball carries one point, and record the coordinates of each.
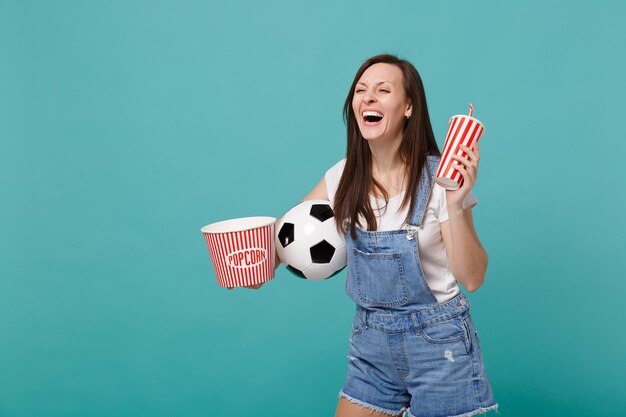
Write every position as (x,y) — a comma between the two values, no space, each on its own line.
(308,243)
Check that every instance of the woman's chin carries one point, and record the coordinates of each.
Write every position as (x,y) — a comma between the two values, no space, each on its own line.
(373,137)
(369,134)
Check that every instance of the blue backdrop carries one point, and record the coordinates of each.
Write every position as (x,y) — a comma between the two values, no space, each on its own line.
(125,126)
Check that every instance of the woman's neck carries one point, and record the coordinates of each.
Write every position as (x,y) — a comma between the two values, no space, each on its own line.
(387,168)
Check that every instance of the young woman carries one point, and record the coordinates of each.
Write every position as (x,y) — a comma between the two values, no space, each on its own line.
(413,347)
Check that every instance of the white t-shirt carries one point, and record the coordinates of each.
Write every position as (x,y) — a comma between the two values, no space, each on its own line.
(432,251)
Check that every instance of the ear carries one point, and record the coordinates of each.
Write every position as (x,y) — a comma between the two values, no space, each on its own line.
(409,110)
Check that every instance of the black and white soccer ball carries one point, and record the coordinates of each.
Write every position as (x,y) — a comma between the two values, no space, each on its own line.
(308,243)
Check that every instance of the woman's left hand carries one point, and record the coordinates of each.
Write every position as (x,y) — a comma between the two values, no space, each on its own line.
(468,167)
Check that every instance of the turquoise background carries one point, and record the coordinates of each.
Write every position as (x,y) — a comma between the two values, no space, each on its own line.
(125,126)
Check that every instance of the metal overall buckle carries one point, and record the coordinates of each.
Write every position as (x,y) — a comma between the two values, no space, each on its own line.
(411,232)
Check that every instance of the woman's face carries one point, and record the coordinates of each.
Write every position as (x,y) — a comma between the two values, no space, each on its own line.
(379,103)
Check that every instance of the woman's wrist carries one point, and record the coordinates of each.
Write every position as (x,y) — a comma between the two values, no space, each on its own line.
(455,209)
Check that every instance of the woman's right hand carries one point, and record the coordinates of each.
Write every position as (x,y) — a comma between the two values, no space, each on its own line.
(252,287)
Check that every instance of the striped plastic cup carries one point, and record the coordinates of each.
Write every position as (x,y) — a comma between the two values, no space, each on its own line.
(242,250)
(462,130)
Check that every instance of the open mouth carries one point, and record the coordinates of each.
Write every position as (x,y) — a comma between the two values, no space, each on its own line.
(372,118)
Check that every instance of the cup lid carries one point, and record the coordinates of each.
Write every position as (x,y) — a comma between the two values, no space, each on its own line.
(238,225)
(468,117)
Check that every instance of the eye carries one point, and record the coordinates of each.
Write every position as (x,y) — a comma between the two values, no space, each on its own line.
(383,91)
(358,91)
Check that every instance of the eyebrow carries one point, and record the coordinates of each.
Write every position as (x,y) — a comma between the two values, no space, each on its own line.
(379,83)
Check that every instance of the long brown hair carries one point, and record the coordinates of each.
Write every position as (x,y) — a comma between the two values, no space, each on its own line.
(418,141)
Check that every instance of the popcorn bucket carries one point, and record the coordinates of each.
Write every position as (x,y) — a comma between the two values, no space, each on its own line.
(462,130)
(242,250)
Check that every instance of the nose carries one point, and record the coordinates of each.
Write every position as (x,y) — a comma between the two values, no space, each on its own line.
(369,97)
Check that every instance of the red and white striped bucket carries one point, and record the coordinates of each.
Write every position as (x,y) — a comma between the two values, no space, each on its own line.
(242,250)
(462,130)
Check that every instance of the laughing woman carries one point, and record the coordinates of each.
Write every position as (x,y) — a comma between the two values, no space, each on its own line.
(413,347)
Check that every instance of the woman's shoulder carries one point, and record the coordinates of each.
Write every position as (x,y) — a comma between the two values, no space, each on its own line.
(333,176)
(338,167)
(334,172)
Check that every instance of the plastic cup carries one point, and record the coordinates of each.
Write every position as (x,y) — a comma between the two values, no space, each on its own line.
(462,130)
(242,250)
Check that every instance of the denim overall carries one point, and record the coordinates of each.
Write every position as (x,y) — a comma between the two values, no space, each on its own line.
(407,352)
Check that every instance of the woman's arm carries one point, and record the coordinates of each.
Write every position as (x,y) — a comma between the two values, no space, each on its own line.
(468,259)
(319,192)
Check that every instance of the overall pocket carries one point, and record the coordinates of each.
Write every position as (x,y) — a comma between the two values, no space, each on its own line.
(379,278)
(450,331)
